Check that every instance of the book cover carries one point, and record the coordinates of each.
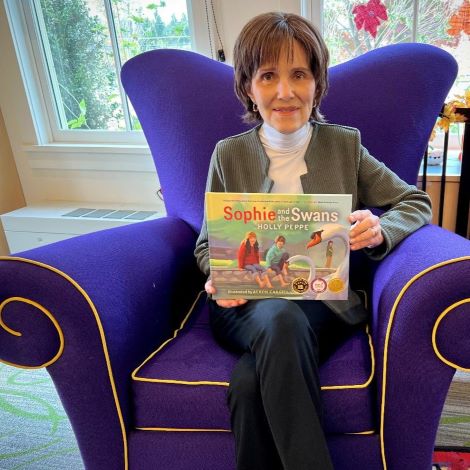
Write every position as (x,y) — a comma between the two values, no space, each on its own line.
(294,246)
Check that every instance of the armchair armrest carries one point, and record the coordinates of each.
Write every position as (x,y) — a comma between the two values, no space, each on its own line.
(91,309)
(420,325)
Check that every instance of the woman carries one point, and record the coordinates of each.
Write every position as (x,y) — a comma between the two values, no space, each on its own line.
(248,259)
(280,63)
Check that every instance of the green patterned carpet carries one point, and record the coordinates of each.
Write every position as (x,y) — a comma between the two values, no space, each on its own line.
(35,433)
(454,430)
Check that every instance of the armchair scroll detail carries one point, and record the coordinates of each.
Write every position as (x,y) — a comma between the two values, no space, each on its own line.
(458,309)
(44,311)
(408,302)
(110,318)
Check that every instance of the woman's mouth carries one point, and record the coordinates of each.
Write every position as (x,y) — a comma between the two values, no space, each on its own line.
(286,109)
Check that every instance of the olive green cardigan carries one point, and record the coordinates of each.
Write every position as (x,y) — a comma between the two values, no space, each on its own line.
(337,163)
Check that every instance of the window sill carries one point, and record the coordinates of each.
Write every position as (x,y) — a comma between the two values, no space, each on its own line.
(90,157)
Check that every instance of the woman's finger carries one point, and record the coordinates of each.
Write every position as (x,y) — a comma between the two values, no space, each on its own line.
(209,288)
(230,303)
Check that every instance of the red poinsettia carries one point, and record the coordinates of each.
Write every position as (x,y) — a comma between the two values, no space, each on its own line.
(369,16)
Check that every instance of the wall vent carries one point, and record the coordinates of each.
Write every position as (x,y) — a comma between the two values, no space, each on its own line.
(110,214)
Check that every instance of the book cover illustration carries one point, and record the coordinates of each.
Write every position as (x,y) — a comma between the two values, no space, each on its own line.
(294,246)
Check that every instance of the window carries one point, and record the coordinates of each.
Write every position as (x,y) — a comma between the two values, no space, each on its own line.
(76,48)
(71,54)
(83,44)
(352,28)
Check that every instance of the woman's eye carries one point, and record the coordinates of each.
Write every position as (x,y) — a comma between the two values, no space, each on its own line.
(299,74)
(267,76)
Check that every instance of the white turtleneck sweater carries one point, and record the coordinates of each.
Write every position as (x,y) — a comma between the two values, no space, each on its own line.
(286,154)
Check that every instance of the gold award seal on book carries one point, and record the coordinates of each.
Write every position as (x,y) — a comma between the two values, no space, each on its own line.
(336,284)
(300,285)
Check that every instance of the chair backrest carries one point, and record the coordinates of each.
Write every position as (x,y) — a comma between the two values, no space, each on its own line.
(186,103)
(393,95)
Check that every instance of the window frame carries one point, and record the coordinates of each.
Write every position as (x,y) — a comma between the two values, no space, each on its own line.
(39,86)
(313,11)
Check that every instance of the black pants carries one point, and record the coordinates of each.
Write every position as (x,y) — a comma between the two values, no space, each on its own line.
(274,393)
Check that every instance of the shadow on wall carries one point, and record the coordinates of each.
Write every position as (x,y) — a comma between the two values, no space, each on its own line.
(11,192)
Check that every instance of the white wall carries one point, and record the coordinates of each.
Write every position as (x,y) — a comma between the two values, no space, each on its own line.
(11,194)
(233,15)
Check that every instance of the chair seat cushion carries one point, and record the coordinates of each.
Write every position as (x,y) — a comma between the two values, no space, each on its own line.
(183,384)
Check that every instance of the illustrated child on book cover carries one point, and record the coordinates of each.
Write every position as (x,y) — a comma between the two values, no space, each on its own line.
(248,259)
(276,259)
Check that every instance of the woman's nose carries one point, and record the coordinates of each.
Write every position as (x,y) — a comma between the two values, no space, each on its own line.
(284,89)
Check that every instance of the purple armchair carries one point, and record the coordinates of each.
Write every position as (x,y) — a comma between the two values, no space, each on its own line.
(116,317)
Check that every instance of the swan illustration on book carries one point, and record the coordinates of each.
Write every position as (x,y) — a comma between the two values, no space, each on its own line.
(326,233)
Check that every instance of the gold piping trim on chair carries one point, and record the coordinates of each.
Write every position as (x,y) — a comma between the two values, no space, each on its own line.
(387,339)
(102,336)
(363,433)
(372,370)
(434,333)
(183,430)
(182,382)
(226,384)
(17,333)
(175,334)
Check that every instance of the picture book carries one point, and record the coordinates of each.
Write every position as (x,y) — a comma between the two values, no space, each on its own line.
(294,246)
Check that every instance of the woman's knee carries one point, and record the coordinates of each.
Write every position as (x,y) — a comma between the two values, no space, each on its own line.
(284,317)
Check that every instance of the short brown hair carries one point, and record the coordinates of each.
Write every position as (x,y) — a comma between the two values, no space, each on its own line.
(261,41)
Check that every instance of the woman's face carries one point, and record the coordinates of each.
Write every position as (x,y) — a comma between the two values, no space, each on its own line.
(252,240)
(284,92)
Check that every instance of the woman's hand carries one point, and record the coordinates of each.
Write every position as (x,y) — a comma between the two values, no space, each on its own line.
(225,303)
(366,231)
